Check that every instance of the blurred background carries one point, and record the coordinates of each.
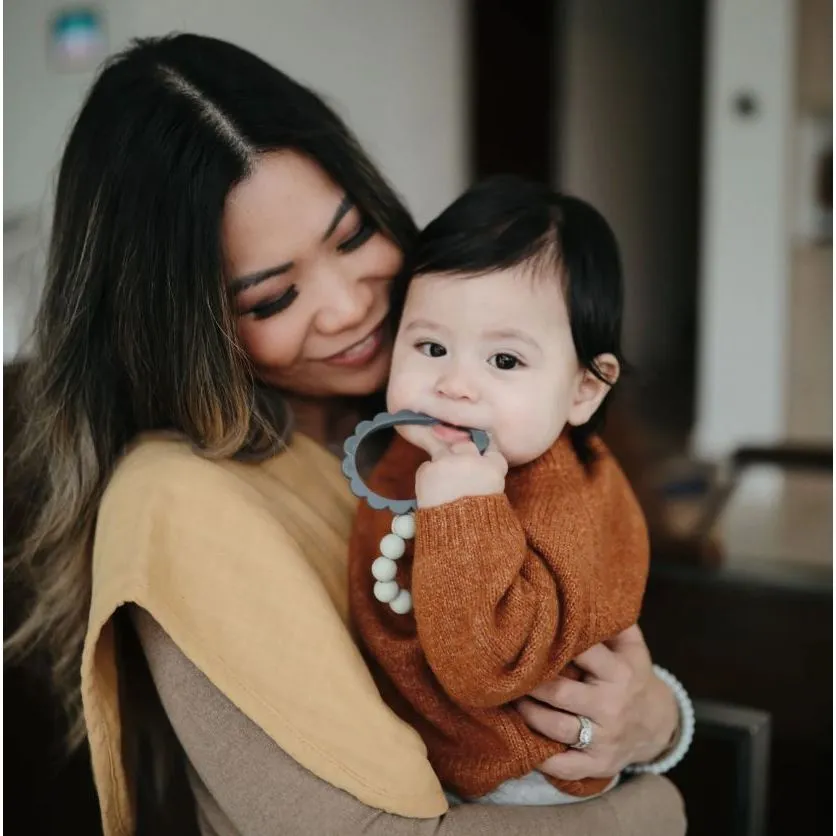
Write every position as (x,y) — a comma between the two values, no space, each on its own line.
(703,131)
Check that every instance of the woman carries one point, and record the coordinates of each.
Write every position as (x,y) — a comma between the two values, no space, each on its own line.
(214,322)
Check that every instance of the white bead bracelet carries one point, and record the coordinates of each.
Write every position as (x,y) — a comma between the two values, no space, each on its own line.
(672,757)
(384,568)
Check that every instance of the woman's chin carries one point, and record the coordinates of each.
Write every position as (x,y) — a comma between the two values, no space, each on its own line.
(324,380)
(359,382)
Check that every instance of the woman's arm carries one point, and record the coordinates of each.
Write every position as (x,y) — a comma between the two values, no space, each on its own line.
(634,714)
(261,791)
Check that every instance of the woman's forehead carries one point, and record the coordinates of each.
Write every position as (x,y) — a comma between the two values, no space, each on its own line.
(282,208)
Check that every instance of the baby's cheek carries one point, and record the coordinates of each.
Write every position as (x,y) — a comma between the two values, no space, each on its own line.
(399,393)
(524,431)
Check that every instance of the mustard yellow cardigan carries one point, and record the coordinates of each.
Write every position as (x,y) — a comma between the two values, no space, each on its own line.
(244,566)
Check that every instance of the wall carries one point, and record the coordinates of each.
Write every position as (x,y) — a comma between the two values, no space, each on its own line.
(40,103)
(808,374)
(746,263)
(629,77)
(394,69)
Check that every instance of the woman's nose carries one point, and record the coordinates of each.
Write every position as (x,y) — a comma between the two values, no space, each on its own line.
(345,302)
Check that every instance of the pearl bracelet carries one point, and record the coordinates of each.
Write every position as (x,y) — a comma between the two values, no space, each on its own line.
(669,759)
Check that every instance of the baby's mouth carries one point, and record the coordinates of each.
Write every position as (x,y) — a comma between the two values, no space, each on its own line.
(451,433)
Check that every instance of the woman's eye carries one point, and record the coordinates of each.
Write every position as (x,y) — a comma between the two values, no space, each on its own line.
(505,362)
(274,306)
(364,231)
(431,349)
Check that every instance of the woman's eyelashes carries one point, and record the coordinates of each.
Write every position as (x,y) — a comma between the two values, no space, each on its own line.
(274,306)
(364,230)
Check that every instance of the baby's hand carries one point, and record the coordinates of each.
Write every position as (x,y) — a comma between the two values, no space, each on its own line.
(459,471)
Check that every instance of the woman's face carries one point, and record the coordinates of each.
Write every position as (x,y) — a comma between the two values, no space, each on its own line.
(310,280)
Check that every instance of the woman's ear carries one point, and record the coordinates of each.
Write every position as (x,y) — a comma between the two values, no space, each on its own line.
(590,390)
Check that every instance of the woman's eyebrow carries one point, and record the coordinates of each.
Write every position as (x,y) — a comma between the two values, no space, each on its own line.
(243,283)
(346,205)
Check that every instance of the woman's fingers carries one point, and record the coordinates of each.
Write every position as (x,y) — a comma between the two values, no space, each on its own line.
(631,646)
(573,766)
(630,641)
(567,695)
(554,724)
(601,663)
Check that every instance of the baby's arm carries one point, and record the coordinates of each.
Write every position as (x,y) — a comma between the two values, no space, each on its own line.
(493,617)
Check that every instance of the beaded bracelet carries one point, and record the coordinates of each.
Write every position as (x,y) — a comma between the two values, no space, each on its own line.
(669,759)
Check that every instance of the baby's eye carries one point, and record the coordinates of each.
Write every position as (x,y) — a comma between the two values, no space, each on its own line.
(505,362)
(431,349)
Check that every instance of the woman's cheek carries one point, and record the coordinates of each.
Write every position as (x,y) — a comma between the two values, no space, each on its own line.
(270,344)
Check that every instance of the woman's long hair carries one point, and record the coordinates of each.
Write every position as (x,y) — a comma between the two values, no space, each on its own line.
(135,331)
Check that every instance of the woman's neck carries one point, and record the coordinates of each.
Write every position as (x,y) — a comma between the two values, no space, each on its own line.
(327,421)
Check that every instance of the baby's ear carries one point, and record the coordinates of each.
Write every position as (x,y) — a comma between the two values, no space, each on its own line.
(590,390)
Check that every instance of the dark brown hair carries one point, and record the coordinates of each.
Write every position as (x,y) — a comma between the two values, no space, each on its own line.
(136,331)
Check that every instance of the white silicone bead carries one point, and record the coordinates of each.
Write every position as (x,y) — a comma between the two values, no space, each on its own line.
(386,591)
(384,569)
(392,546)
(404,526)
(402,604)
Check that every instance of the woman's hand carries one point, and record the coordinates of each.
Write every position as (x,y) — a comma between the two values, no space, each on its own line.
(634,714)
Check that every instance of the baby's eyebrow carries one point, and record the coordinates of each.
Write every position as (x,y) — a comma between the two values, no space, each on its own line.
(512,334)
(424,325)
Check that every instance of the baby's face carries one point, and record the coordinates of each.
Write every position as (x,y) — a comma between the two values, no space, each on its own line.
(493,352)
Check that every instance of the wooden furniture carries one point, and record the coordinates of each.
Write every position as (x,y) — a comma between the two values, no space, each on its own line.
(757,635)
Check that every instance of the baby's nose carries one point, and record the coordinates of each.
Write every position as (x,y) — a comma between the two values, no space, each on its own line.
(456,386)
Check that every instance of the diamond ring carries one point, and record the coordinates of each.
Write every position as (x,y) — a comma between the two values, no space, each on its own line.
(584,733)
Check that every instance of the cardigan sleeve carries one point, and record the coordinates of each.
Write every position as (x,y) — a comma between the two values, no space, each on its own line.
(245,570)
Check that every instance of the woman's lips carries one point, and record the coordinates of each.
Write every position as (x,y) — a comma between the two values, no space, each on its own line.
(361,353)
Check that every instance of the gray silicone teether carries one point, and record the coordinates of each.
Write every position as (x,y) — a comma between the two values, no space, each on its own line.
(383,421)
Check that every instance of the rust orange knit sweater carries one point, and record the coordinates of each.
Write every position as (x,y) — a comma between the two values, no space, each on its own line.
(507,590)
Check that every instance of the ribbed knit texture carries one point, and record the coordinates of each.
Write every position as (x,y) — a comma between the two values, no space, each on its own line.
(507,591)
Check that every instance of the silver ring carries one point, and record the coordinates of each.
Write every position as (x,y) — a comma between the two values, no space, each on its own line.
(584,733)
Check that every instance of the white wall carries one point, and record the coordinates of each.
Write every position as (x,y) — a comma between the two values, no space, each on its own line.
(746,265)
(39,102)
(394,69)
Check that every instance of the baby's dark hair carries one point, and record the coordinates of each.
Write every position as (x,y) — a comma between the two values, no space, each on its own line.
(507,221)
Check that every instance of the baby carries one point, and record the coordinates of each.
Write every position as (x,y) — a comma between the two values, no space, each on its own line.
(509,321)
